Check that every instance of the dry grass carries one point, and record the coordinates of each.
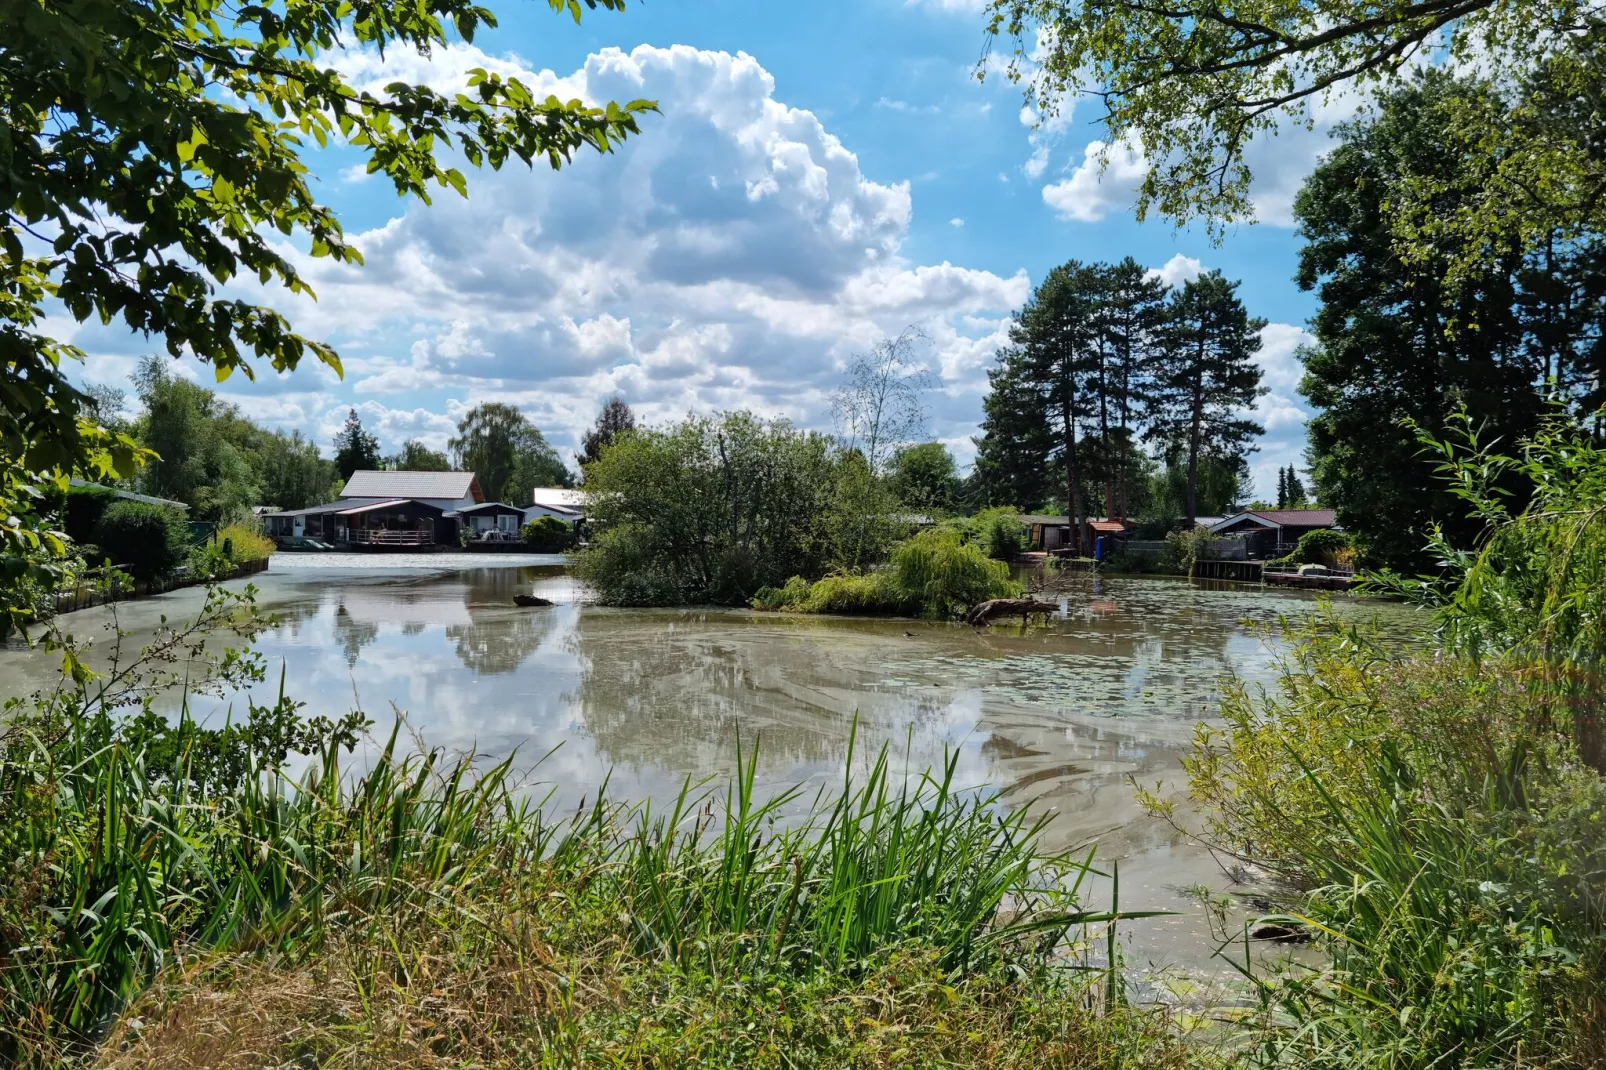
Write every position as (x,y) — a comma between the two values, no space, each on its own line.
(538,987)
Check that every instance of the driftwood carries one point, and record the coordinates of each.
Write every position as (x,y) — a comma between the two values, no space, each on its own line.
(985,612)
(528,600)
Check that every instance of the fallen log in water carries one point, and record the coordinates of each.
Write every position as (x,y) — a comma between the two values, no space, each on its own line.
(985,612)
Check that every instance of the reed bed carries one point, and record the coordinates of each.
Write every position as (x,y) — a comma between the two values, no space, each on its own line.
(134,860)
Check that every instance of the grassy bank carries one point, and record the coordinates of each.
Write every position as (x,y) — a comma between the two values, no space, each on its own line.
(173,896)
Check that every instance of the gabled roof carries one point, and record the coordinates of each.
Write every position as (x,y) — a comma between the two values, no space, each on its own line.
(1299,518)
(488,507)
(1281,518)
(352,508)
(412,485)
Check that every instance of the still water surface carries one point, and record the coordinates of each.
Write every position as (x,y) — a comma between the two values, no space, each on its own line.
(1061,717)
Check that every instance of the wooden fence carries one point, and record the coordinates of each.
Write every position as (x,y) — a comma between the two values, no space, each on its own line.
(103,589)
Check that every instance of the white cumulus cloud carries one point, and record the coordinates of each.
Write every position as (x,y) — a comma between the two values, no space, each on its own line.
(733,254)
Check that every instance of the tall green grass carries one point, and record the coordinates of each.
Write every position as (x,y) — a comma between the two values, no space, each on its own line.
(127,854)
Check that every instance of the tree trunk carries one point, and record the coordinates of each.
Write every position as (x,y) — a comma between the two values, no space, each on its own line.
(1193,449)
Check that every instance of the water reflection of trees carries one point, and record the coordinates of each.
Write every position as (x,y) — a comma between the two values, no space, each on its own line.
(474,611)
(499,640)
(673,691)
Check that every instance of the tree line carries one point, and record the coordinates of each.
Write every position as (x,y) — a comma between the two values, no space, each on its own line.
(209,455)
(1104,360)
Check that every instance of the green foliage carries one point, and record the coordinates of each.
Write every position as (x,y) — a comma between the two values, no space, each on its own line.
(942,576)
(1182,549)
(188,126)
(211,457)
(356,449)
(1449,844)
(148,541)
(1100,358)
(709,510)
(417,457)
(614,420)
(508,453)
(1290,489)
(1193,86)
(998,531)
(1205,377)
(1436,815)
(200,446)
(931,574)
(924,478)
(548,535)
(1218,483)
(221,556)
(1396,342)
(82,507)
(861,521)
(1534,585)
(1323,546)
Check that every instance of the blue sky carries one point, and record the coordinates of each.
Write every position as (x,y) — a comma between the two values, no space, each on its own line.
(822,176)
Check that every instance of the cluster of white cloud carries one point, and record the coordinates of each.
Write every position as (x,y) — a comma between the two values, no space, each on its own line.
(732,255)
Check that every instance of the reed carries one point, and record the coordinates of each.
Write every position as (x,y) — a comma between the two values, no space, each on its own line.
(130,855)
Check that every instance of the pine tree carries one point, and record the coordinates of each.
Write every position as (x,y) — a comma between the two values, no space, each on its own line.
(1282,488)
(1296,490)
(1132,313)
(355,449)
(1056,335)
(614,420)
(1205,375)
(1012,450)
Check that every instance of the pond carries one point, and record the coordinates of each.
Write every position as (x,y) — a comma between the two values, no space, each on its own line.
(1061,717)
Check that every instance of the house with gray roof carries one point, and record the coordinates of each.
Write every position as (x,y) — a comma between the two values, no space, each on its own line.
(386,510)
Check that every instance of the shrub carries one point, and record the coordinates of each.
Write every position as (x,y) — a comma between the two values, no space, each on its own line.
(998,531)
(624,566)
(1182,549)
(150,541)
(1324,546)
(932,574)
(82,508)
(942,577)
(1436,819)
(548,535)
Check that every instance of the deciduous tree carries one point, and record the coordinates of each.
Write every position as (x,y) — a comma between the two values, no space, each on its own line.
(417,457)
(155,153)
(508,453)
(1191,84)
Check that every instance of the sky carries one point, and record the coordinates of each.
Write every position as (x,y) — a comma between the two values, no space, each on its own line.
(820,177)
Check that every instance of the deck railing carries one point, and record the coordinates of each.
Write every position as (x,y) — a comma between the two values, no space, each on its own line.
(364,537)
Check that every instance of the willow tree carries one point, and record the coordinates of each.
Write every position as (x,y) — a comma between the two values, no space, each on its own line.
(155,152)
